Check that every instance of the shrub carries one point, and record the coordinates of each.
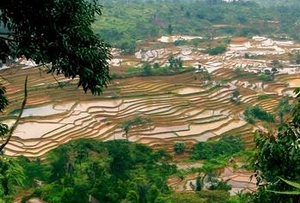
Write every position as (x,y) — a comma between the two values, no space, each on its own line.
(186,197)
(216,50)
(263,96)
(146,70)
(262,114)
(256,112)
(227,145)
(180,42)
(179,147)
(219,185)
(265,77)
(216,196)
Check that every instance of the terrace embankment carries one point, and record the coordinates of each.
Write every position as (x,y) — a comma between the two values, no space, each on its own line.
(188,107)
(178,109)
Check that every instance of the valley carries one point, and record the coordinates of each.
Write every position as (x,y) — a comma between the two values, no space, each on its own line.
(184,107)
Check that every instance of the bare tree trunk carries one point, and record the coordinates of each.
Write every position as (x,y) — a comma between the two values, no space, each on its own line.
(19,116)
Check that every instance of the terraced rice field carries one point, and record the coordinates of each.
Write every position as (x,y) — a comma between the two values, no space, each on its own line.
(179,108)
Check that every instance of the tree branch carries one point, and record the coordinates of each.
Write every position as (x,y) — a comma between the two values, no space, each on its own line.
(6,33)
(7,38)
(19,117)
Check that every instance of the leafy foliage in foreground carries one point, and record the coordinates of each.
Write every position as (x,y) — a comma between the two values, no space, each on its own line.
(291,183)
(11,174)
(278,157)
(111,172)
(60,33)
(200,197)
(57,35)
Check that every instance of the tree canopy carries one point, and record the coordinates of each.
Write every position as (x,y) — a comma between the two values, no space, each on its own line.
(278,157)
(58,33)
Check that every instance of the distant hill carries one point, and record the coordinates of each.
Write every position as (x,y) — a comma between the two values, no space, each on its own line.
(271,3)
(124,22)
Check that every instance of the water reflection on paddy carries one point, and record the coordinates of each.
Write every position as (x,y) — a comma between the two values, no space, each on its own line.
(34,129)
(158,130)
(47,110)
(83,106)
(189,90)
(204,137)
(232,125)
(163,135)
(294,83)
(101,119)
(41,111)
(63,106)
(202,128)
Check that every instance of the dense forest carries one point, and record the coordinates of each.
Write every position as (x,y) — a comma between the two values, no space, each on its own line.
(120,171)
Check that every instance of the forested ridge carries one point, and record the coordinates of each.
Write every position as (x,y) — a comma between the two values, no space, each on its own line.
(125,22)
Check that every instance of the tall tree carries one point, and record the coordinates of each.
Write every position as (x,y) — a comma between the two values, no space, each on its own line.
(57,32)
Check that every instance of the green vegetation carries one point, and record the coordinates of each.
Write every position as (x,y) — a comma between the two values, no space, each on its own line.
(240,72)
(11,176)
(175,63)
(179,147)
(120,171)
(295,57)
(235,97)
(137,121)
(202,74)
(67,41)
(263,96)
(284,108)
(111,172)
(291,183)
(200,197)
(252,113)
(58,37)
(266,77)
(114,171)
(216,50)
(278,158)
(3,104)
(253,56)
(175,66)
(122,23)
(226,146)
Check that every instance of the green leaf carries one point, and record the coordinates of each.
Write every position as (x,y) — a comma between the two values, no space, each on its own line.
(291,183)
(297,92)
(296,192)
